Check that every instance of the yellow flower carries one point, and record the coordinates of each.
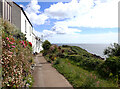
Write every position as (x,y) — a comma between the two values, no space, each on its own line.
(55,57)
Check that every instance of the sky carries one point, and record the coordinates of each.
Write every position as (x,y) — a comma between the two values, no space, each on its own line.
(74,21)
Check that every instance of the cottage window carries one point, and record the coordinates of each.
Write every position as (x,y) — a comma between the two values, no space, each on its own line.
(5,8)
(7,11)
(10,15)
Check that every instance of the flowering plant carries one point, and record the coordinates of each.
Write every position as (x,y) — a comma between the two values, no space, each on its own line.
(16,59)
(30,44)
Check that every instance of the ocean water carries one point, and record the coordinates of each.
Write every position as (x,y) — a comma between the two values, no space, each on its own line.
(97,49)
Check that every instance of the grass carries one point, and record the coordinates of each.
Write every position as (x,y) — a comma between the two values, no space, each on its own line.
(80,67)
(80,77)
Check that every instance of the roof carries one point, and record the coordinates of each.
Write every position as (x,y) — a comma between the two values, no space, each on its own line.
(23,13)
(34,34)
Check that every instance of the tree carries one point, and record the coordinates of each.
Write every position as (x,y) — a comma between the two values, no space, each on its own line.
(46,45)
(113,50)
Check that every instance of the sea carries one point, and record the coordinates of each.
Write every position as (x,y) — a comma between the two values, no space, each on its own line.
(97,49)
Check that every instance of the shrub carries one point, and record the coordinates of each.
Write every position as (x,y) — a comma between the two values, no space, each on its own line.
(53,48)
(46,45)
(65,46)
(16,57)
(51,57)
(45,52)
(30,44)
(89,63)
(113,50)
(57,62)
(61,55)
(110,67)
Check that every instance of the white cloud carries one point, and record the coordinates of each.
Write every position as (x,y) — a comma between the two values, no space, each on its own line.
(62,10)
(85,38)
(44,33)
(61,29)
(86,13)
(48,33)
(33,12)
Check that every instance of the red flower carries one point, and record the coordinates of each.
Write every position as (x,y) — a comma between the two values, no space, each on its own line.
(30,44)
(19,41)
(25,43)
(12,39)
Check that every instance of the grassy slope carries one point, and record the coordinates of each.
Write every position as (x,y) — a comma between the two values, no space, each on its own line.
(78,76)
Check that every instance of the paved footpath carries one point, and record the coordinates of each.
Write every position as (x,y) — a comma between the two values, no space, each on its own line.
(47,76)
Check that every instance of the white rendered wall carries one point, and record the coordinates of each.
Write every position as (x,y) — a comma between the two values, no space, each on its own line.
(28,27)
(36,44)
(33,43)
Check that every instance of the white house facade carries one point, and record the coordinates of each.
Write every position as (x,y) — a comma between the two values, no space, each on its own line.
(33,42)
(37,43)
(15,14)
(26,27)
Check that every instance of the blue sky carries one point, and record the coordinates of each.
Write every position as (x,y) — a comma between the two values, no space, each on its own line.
(84,21)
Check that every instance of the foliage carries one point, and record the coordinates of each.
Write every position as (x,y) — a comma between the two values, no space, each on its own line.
(65,46)
(53,48)
(113,50)
(111,67)
(83,60)
(16,56)
(46,45)
(80,77)
(29,81)
(60,54)
(44,52)
(89,63)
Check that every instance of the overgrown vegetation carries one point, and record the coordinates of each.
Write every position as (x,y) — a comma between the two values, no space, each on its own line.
(16,57)
(83,69)
(80,77)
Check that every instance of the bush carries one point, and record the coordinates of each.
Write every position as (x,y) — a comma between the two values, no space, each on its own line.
(46,45)
(16,57)
(45,52)
(110,67)
(89,63)
(53,48)
(61,55)
(65,46)
(113,50)
(57,62)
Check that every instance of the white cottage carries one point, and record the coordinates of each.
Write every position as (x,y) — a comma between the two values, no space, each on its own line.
(15,14)
(21,21)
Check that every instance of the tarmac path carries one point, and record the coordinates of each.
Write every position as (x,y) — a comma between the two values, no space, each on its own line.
(46,76)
